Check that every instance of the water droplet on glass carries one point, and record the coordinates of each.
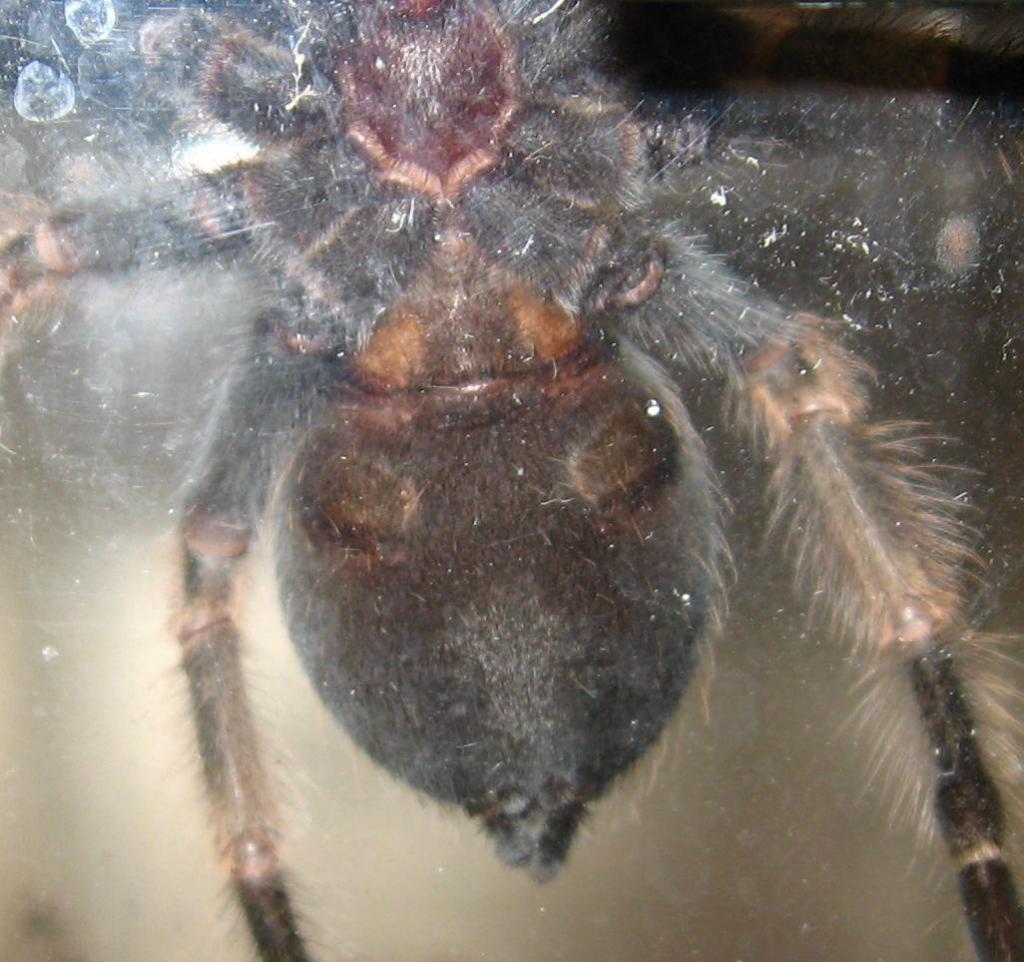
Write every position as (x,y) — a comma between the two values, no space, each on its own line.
(43,93)
(91,20)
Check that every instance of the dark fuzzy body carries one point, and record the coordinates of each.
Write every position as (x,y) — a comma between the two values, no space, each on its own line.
(500,598)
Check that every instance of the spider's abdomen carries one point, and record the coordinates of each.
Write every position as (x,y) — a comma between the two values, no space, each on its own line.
(498,588)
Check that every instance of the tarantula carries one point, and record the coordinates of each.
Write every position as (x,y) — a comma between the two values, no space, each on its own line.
(458,417)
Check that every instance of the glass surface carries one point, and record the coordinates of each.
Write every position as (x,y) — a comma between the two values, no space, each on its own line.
(755,830)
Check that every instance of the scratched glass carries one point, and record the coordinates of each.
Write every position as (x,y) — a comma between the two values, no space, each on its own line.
(867,170)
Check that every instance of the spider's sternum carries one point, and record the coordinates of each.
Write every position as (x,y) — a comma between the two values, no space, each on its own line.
(465,322)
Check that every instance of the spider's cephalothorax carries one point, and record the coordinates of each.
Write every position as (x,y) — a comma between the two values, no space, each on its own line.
(495,526)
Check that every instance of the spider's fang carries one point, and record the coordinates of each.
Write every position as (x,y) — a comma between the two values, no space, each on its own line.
(429,106)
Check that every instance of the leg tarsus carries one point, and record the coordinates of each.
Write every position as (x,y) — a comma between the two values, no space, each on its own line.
(265,901)
(969,811)
(994,913)
(237,784)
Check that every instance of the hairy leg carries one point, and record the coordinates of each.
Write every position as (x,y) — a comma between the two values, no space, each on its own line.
(261,406)
(877,539)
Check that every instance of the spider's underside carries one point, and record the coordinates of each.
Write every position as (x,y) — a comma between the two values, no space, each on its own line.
(463,454)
